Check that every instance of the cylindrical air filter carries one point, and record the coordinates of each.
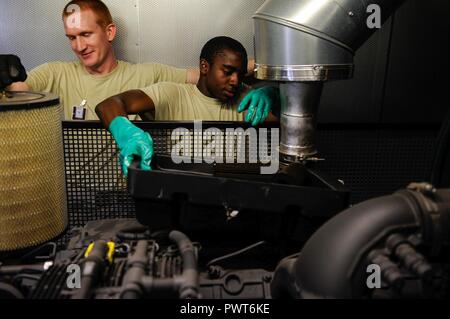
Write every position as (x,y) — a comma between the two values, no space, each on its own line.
(33,205)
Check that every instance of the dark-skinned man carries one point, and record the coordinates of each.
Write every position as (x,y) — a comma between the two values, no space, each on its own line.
(223,64)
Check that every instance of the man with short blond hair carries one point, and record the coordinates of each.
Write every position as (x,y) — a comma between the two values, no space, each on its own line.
(101,11)
(97,74)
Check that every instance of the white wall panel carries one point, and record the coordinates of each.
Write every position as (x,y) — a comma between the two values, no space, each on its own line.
(174,31)
(165,31)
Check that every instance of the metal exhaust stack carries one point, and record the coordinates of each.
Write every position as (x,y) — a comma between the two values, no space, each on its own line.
(303,43)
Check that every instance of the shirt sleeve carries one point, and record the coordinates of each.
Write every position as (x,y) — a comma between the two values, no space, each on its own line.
(42,78)
(162,94)
(167,73)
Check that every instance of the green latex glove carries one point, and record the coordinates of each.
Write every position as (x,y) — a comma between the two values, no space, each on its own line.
(132,141)
(259,102)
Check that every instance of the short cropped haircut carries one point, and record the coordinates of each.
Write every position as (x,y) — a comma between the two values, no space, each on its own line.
(218,45)
(104,17)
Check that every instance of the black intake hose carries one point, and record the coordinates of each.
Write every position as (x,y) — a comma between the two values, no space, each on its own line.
(184,286)
(333,262)
(137,265)
(188,285)
(92,271)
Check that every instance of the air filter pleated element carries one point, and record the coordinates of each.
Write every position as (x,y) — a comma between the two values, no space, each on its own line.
(32,182)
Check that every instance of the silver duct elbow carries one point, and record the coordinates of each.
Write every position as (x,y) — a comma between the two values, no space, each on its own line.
(312,40)
(308,41)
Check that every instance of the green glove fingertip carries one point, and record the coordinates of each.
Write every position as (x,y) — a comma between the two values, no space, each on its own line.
(126,161)
(250,114)
(243,104)
(145,166)
(256,120)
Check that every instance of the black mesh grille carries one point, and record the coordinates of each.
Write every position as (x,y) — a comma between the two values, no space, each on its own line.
(96,188)
(376,161)
(371,160)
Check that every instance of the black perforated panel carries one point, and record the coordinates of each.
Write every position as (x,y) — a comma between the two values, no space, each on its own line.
(96,188)
(376,161)
(371,160)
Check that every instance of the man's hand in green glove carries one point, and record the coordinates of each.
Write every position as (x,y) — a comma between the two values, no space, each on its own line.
(259,102)
(132,141)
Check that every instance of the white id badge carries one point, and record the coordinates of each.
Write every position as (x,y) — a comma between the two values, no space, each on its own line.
(79,111)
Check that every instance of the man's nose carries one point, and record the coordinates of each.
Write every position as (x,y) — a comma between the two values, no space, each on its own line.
(80,44)
(234,79)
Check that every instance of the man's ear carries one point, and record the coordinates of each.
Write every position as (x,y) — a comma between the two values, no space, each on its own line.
(111,31)
(204,67)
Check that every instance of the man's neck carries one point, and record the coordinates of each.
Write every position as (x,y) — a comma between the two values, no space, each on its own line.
(201,85)
(105,68)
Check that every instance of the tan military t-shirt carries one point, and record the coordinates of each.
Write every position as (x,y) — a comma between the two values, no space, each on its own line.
(184,102)
(72,83)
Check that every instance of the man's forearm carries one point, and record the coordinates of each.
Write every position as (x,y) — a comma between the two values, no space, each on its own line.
(110,109)
(129,102)
(18,86)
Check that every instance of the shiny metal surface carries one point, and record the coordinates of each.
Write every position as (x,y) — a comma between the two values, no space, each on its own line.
(312,32)
(279,46)
(26,100)
(304,72)
(10,98)
(302,43)
(299,103)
